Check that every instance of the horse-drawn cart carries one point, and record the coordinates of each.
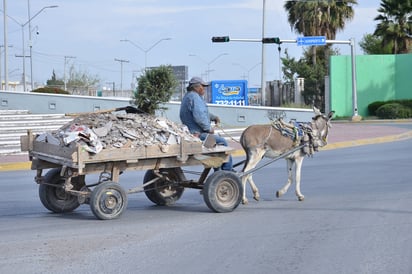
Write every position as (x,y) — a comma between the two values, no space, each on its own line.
(63,188)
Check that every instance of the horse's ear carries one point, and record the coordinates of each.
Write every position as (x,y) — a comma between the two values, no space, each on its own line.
(317,111)
(330,115)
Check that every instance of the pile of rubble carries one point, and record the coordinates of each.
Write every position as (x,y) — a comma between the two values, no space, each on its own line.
(97,131)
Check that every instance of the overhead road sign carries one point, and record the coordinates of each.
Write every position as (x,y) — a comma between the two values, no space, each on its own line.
(311,41)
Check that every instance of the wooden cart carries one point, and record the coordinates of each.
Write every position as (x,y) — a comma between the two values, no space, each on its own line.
(63,188)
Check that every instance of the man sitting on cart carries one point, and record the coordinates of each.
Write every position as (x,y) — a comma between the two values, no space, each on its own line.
(195,115)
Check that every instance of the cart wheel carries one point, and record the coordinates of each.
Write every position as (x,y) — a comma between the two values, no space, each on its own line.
(163,192)
(222,191)
(108,200)
(55,198)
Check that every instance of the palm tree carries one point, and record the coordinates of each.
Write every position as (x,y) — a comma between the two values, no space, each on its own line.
(319,17)
(395,25)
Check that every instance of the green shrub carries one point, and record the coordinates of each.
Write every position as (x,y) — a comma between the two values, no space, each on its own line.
(372,107)
(393,111)
(407,103)
(52,90)
(154,88)
(405,113)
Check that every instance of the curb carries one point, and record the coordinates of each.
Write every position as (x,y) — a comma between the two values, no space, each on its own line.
(369,141)
(15,166)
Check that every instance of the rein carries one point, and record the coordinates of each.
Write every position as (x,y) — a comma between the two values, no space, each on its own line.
(219,126)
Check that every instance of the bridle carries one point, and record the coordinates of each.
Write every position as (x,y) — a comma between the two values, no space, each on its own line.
(309,138)
(320,136)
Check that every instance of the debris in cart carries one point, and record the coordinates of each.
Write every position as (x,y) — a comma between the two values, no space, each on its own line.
(98,131)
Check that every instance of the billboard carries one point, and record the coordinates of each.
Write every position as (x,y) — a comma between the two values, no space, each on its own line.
(229,92)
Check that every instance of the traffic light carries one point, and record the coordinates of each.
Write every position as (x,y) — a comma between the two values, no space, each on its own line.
(220,39)
(271,40)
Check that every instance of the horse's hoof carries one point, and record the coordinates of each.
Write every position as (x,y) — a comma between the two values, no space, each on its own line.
(257,198)
(278,194)
(245,202)
(301,198)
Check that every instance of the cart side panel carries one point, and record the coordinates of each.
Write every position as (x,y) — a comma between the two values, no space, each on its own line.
(78,157)
(24,143)
(55,150)
(157,151)
(113,154)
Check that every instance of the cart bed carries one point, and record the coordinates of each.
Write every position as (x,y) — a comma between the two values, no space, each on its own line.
(46,155)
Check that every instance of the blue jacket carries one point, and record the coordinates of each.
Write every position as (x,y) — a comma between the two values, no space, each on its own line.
(195,114)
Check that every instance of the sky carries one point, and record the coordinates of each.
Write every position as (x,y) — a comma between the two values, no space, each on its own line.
(88,34)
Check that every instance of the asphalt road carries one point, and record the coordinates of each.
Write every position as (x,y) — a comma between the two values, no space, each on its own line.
(356,218)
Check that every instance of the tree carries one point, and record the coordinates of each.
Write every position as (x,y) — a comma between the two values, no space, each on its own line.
(395,26)
(81,80)
(54,81)
(314,74)
(154,87)
(325,18)
(372,44)
(319,18)
(77,81)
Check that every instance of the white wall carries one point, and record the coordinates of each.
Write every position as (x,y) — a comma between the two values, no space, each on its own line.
(230,116)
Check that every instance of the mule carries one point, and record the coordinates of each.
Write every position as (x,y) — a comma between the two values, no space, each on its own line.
(270,141)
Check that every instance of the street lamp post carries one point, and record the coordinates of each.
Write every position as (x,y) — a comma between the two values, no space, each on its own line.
(208,63)
(30,45)
(30,39)
(263,75)
(145,50)
(1,46)
(22,32)
(247,70)
(121,61)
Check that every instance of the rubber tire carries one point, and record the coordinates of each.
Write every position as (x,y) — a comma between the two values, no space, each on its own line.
(222,191)
(56,199)
(159,192)
(108,201)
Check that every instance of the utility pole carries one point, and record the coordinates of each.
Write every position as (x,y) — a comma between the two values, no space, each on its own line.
(121,61)
(6,52)
(24,67)
(64,72)
(113,86)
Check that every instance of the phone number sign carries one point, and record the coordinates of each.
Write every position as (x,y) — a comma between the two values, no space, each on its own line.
(229,92)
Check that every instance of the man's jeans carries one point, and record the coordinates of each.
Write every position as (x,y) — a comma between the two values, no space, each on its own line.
(220,141)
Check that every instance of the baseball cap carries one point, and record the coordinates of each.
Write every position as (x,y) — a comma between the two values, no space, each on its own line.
(198,80)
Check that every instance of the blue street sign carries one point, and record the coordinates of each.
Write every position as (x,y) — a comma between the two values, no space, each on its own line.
(311,41)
